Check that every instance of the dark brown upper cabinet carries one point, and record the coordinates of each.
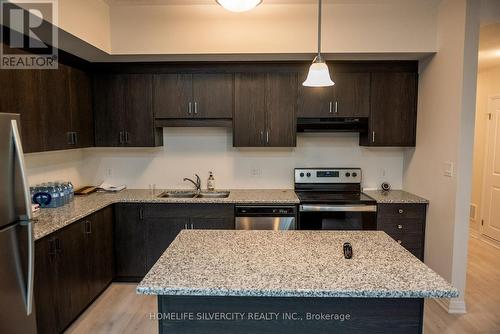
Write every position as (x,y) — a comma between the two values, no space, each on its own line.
(393,110)
(265,110)
(200,96)
(55,107)
(349,97)
(123,111)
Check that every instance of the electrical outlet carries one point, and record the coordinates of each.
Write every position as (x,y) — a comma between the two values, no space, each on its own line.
(256,172)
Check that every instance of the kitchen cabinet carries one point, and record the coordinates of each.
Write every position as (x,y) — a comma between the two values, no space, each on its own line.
(265,110)
(349,97)
(130,242)
(72,267)
(405,223)
(199,96)
(123,111)
(393,110)
(55,107)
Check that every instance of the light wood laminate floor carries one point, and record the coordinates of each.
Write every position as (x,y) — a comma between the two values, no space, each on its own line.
(120,310)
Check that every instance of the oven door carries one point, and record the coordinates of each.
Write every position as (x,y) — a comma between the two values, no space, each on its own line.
(337,217)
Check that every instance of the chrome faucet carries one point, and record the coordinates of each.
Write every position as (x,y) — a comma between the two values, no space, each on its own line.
(197,184)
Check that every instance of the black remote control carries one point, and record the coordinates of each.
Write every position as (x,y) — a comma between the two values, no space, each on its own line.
(347,250)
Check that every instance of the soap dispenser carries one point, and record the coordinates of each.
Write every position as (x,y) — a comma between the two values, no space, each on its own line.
(211,182)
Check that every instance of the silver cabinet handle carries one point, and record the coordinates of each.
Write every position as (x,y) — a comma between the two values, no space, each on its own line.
(185,226)
(400,226)
(196,107)
(267,136)
(121,137)
(71,138)
(262,137)
(192,226)
(23,203)
(126,137)
(338,208)
(373,136)
(336,107)
(190,107)
(400,211)
(330,105)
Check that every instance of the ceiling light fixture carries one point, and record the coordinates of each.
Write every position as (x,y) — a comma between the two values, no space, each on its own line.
(239,5)
(319,75)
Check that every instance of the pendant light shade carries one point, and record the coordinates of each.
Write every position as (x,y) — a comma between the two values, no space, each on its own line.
(319,75)
(239,5)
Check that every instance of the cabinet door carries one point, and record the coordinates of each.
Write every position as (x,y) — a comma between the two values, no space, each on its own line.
(211,217)
(160,234)
(129,242)
(80,105)
(314,101)
(249,120)
(172,94)
(139,122)
(281,102)
(109,110)
(393,109)
(99,232)
(351,95)
(46,287)
(213,96)
(20,94)
(72,285)
(54,104)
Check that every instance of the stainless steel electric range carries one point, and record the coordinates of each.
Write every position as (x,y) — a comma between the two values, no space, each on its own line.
(331,199)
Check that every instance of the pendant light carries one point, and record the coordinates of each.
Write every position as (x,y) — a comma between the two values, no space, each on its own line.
(239,5)
(318,75)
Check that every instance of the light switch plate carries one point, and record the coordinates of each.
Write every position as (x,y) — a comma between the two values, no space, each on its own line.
(448,169)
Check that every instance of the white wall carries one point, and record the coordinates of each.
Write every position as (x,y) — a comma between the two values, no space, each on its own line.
(54,166)
(348,27)
(445,134)
(199,150)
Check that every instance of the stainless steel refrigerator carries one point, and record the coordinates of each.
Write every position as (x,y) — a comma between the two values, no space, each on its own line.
(17,252)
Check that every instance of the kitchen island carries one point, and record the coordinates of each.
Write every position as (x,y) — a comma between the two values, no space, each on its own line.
(290,282)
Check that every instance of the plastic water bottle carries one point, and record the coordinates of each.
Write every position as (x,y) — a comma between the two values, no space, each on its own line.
(71,190)
(56,200)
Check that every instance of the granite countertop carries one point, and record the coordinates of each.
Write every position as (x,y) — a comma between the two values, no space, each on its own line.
(395,196)
(291,264)
(50,220)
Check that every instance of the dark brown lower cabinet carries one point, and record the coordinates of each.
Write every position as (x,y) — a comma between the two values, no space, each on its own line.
(405,223)
(73,266)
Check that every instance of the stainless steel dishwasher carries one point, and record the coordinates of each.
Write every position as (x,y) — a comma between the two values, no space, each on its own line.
(264,217)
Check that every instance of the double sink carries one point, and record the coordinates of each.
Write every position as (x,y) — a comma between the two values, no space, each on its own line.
(194,194)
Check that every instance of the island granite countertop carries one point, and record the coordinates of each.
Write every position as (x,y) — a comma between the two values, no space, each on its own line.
(50,220)
(291,264)
(395,197)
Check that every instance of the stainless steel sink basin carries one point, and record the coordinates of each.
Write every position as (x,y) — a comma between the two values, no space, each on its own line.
(193,194)
(213,194)
(177,194)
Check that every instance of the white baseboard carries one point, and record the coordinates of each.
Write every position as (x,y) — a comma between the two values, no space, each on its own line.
(452,306)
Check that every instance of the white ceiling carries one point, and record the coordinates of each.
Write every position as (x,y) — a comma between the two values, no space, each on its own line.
(211,2)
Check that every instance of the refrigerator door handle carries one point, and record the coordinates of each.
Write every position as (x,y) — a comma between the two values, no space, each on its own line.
(31,269)
(22,172)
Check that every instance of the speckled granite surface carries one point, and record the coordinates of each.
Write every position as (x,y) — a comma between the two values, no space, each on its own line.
(291,264)
(395,196)
(50,220)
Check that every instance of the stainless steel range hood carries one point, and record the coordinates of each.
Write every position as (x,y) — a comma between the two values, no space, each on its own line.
(333,124)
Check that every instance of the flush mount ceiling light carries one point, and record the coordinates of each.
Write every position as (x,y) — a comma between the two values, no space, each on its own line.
(319,75)
(239,5)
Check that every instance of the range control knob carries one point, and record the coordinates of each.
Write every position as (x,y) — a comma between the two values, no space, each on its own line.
(347,174)
(308,174)
(354,174)
(301,174)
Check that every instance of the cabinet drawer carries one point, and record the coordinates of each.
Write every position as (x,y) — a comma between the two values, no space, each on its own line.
(408,240)
(397,225)
(402,210)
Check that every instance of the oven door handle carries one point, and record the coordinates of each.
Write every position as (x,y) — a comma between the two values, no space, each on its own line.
(338,208)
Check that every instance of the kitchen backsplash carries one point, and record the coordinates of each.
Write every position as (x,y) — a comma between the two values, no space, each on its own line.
(199,150)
